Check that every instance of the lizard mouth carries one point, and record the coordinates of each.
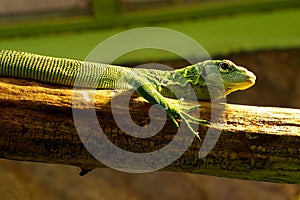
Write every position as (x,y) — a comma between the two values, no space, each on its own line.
(252,78)
(247,81)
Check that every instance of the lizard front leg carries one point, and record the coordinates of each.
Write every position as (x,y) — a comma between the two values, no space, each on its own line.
(174,111)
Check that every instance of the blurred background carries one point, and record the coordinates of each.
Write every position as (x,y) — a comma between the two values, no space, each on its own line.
(263,35)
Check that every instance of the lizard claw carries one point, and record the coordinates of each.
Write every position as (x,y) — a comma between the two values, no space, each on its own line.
(190,128)
(196,107)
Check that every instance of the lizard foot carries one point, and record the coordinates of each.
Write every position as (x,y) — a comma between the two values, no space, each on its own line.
(176,111)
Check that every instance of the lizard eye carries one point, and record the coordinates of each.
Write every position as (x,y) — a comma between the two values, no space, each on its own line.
(224,67)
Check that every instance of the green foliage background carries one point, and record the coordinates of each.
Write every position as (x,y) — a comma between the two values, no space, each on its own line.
(221,28)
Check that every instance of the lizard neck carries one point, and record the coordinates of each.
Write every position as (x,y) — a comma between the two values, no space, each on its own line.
(184,83)
(187,83)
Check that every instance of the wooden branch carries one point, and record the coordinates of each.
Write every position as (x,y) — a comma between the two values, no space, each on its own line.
(257,143)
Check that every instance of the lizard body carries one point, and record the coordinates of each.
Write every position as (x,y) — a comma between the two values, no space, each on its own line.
(153,85)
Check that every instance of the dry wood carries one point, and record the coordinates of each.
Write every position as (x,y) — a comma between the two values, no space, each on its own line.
(257,143)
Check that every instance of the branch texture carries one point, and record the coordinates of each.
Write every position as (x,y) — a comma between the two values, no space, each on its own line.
(257,143)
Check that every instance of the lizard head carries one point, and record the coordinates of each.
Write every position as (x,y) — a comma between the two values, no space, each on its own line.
(209,77)
(234,77)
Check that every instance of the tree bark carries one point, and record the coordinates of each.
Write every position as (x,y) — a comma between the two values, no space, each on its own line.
(37,124)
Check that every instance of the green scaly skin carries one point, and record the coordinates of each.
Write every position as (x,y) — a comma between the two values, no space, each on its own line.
(153,85)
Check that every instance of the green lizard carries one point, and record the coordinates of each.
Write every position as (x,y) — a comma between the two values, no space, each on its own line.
(153,85)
